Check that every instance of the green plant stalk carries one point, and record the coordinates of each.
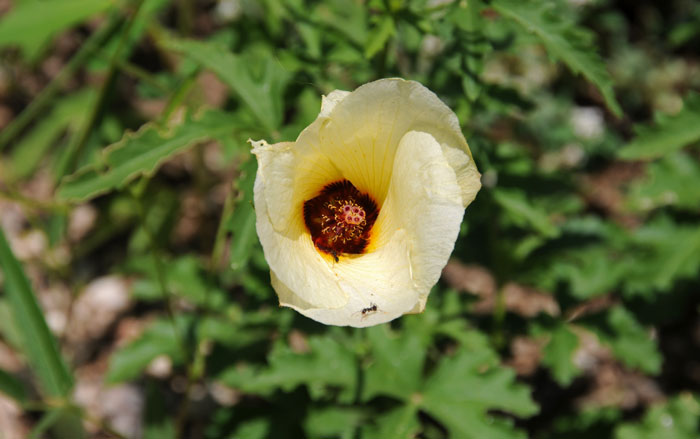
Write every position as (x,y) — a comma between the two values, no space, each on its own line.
(137,72)
(160,273)
(95,114)
(12,194)
(195,372)
(47,94)
(499,316)
(54,411)
(499,266)
(179,95)
(185,12)
(220,241)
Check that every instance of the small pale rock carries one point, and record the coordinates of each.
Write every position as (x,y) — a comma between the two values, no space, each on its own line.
(587,122)
(82,219)
(160,367)
(224,395)
(97,307)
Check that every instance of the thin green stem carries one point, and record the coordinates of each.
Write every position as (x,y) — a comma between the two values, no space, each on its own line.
(56,405)
(48,93)
(137,72)
(179,95)
(219,242)
(160,273)
(499,316)
(96,112)
(499,262)
(185,12)
(47,206)
(195,372)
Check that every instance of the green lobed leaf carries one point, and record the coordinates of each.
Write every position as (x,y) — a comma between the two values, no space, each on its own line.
(141,153)
(398,422)
(590,271)
(660,253)
(460,393)
(261,91)
(559,353)
(30,24)
(466,387)
(674,180)
(564,41)
(642,262)
(397,364)
(524,213)
(678,418)
(38,342)
(630,341)
(331,421)
(669,134)
(328,363)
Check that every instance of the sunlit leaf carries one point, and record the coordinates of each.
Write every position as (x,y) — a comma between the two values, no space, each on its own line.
(142,153)
(328,363)
(397,364)
(465,388)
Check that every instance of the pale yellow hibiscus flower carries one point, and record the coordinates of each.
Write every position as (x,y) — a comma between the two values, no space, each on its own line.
(358,217)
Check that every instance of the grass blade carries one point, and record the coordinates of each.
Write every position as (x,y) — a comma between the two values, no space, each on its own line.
(40,346)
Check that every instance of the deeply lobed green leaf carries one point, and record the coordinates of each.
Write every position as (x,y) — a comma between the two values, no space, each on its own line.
(564,41)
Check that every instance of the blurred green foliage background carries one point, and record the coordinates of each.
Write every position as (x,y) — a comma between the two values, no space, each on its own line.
(135,299)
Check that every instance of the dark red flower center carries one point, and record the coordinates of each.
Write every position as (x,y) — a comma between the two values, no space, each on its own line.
(340,219)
